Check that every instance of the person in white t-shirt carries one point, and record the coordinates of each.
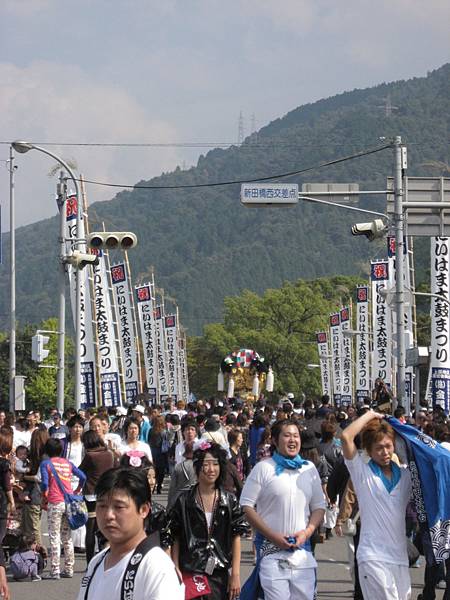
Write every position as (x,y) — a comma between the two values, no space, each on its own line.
(383,490)
(283,500)
(189,431)
(123,505)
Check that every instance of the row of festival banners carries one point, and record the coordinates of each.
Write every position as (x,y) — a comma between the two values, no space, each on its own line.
(348,371)
(114,333)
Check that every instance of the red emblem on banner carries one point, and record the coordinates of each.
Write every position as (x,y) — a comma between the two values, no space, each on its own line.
(379,271)
(334,320)
(361,294)
(321,337)
(118,273)
(143,293)
(170,321)
(344,314)
(71,208)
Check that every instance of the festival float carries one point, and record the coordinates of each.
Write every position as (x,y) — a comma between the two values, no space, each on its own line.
(246,373)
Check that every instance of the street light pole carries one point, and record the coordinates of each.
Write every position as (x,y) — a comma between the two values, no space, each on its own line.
(12,271)
(398,223)
(24,147)
(62,197)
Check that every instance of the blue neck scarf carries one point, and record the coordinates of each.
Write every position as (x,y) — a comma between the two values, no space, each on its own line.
(282,463)
(389,484)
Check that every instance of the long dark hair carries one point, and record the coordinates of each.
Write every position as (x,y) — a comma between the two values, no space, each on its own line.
(39,438)
(218,453)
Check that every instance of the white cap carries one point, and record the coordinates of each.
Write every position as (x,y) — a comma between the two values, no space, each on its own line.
(121,411)
(290,396)
(139,408)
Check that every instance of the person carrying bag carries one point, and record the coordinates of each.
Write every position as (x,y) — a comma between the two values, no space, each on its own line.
(57,499)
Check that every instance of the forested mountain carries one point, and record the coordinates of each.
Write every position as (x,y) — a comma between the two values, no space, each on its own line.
(204,245)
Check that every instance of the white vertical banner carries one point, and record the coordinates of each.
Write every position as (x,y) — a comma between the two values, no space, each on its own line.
(161,351)
(363,382)
(127,335)
(381,324)
(108,360)
(324,361)
(171,331)
(182,349)
(440,324)
(148,337)
(87,367)
(346,359)
(335,336)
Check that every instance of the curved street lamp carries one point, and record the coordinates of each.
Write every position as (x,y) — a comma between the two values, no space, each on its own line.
(22,147)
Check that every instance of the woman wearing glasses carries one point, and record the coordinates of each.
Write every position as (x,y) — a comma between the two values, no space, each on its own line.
(204,527)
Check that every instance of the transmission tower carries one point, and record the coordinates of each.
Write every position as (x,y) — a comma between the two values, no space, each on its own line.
(388,106)
(240,128)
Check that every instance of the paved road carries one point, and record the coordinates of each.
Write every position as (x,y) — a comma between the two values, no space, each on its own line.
(334,581)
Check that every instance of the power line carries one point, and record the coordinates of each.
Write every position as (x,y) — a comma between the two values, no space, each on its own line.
(249,146)
(238,181)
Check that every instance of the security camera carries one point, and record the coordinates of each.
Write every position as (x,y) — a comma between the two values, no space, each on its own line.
(371,230)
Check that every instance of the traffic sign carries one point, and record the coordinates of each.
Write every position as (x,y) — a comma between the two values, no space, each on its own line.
(431,216)
(267,194)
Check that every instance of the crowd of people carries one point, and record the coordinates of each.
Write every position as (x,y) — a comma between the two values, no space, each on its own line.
(288,474)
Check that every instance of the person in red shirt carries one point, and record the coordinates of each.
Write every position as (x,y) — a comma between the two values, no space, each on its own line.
(53,501)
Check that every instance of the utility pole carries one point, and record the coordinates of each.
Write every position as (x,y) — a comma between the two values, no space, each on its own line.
(62,197)
(12,271)
(399,166)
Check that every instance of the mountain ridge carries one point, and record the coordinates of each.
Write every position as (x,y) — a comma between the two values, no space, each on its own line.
(204,245)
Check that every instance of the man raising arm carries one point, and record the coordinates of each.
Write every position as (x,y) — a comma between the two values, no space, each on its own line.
(383,490)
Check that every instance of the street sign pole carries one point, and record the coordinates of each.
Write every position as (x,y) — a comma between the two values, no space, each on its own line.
(62,197)
(399,167)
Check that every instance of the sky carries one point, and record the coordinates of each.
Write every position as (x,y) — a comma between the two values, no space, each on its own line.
(178,73)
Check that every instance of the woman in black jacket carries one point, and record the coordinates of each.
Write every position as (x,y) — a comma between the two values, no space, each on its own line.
(205,526)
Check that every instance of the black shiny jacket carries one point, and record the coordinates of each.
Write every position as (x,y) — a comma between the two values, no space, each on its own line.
(187,524)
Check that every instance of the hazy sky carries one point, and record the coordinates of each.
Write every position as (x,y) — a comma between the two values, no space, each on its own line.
(181,71)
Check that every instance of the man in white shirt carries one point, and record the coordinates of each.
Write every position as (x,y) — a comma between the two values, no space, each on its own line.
(283,500)
(383,490)
(189,431)
(123,504)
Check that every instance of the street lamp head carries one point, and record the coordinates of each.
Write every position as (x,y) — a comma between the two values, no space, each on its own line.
(21,146)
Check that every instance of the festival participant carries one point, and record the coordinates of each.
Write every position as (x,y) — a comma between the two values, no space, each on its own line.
(6,493)
(97,459)
(159,446)
(31,511)
(132,439)
(58,430)
(138,413)
(53,502)
(238,459)
(383,490)
(113,441)
(74,453)
(123,505)
(255,434)
(189,431)
(205,526)
(283,500)
(183,476)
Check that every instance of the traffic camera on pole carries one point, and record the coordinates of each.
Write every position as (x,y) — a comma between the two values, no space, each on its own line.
(79,260)
(372,230)
(112,240)
(38,351)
